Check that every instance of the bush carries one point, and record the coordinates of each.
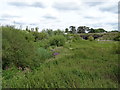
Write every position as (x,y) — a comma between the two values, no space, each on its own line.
(110,36)
(117,38)
(76,38)
(44,54)
(43,43)
(17,50)
(90,38)
(39,36)
(57,40)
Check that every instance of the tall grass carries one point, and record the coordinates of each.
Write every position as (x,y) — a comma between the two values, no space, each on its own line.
(86,65)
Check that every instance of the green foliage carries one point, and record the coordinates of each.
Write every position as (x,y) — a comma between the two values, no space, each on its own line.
(39,36)
(19,49)
(66,30)
(57,40)
(73,29)
(80,64)
(87,65)
(28,36)
(99,30)
(49,32)
(110,36)
(36,29)
(44,43)
(58,32)
(75,38)
(82,29)
(90,38)
(117,38)
(16,49)
(115,31)
(44,54)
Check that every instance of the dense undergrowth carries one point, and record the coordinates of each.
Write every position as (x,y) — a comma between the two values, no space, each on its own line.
(58,63)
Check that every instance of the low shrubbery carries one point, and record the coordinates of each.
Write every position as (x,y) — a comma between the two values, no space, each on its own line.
(109,36)
(20,50)
(76,38)
(117,38)
(57,40)
(90,38)
(16,49)
(44,43)
(44,53)
(39,36)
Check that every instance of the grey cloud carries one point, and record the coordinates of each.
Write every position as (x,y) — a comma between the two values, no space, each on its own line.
(19,23)
(37,4)
(93,3)
(113,9)
(24,4)
(2,19)
(18,4)
(49,17)
(4,16)
(113,24)
(90,17)
(66,6)
(33,24)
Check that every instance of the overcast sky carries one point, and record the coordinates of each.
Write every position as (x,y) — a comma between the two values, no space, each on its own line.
(60,14)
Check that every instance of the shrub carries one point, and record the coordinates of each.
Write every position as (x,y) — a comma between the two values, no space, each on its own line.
(90,38)
(43,54)
(76,38)
(28,36)
(43,43)
(110,36)
(57,40)
(117,38)
(17,50)
(39,36)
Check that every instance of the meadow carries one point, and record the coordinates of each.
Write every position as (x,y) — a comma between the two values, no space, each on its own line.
(60,61)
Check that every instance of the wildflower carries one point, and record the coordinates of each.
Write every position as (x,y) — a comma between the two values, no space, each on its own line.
(55,54)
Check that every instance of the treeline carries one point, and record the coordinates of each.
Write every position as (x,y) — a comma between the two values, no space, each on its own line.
(85,29)
(76,30)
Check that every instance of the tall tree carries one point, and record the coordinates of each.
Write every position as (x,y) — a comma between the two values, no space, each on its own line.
(82,29)
(32,29)
(100,30)
(66,30)
(36,29)
(91,30)
(26,28)
(73,29)
(58,32)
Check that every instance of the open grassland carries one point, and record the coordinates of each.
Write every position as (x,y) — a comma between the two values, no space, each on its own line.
(79,64)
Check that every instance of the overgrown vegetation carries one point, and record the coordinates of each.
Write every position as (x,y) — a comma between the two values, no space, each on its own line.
(51,59)
(57,40)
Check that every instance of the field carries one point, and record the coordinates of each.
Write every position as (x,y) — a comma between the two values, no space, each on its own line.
(59,44)
(79,64)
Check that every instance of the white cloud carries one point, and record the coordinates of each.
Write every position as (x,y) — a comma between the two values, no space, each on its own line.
(60,14)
